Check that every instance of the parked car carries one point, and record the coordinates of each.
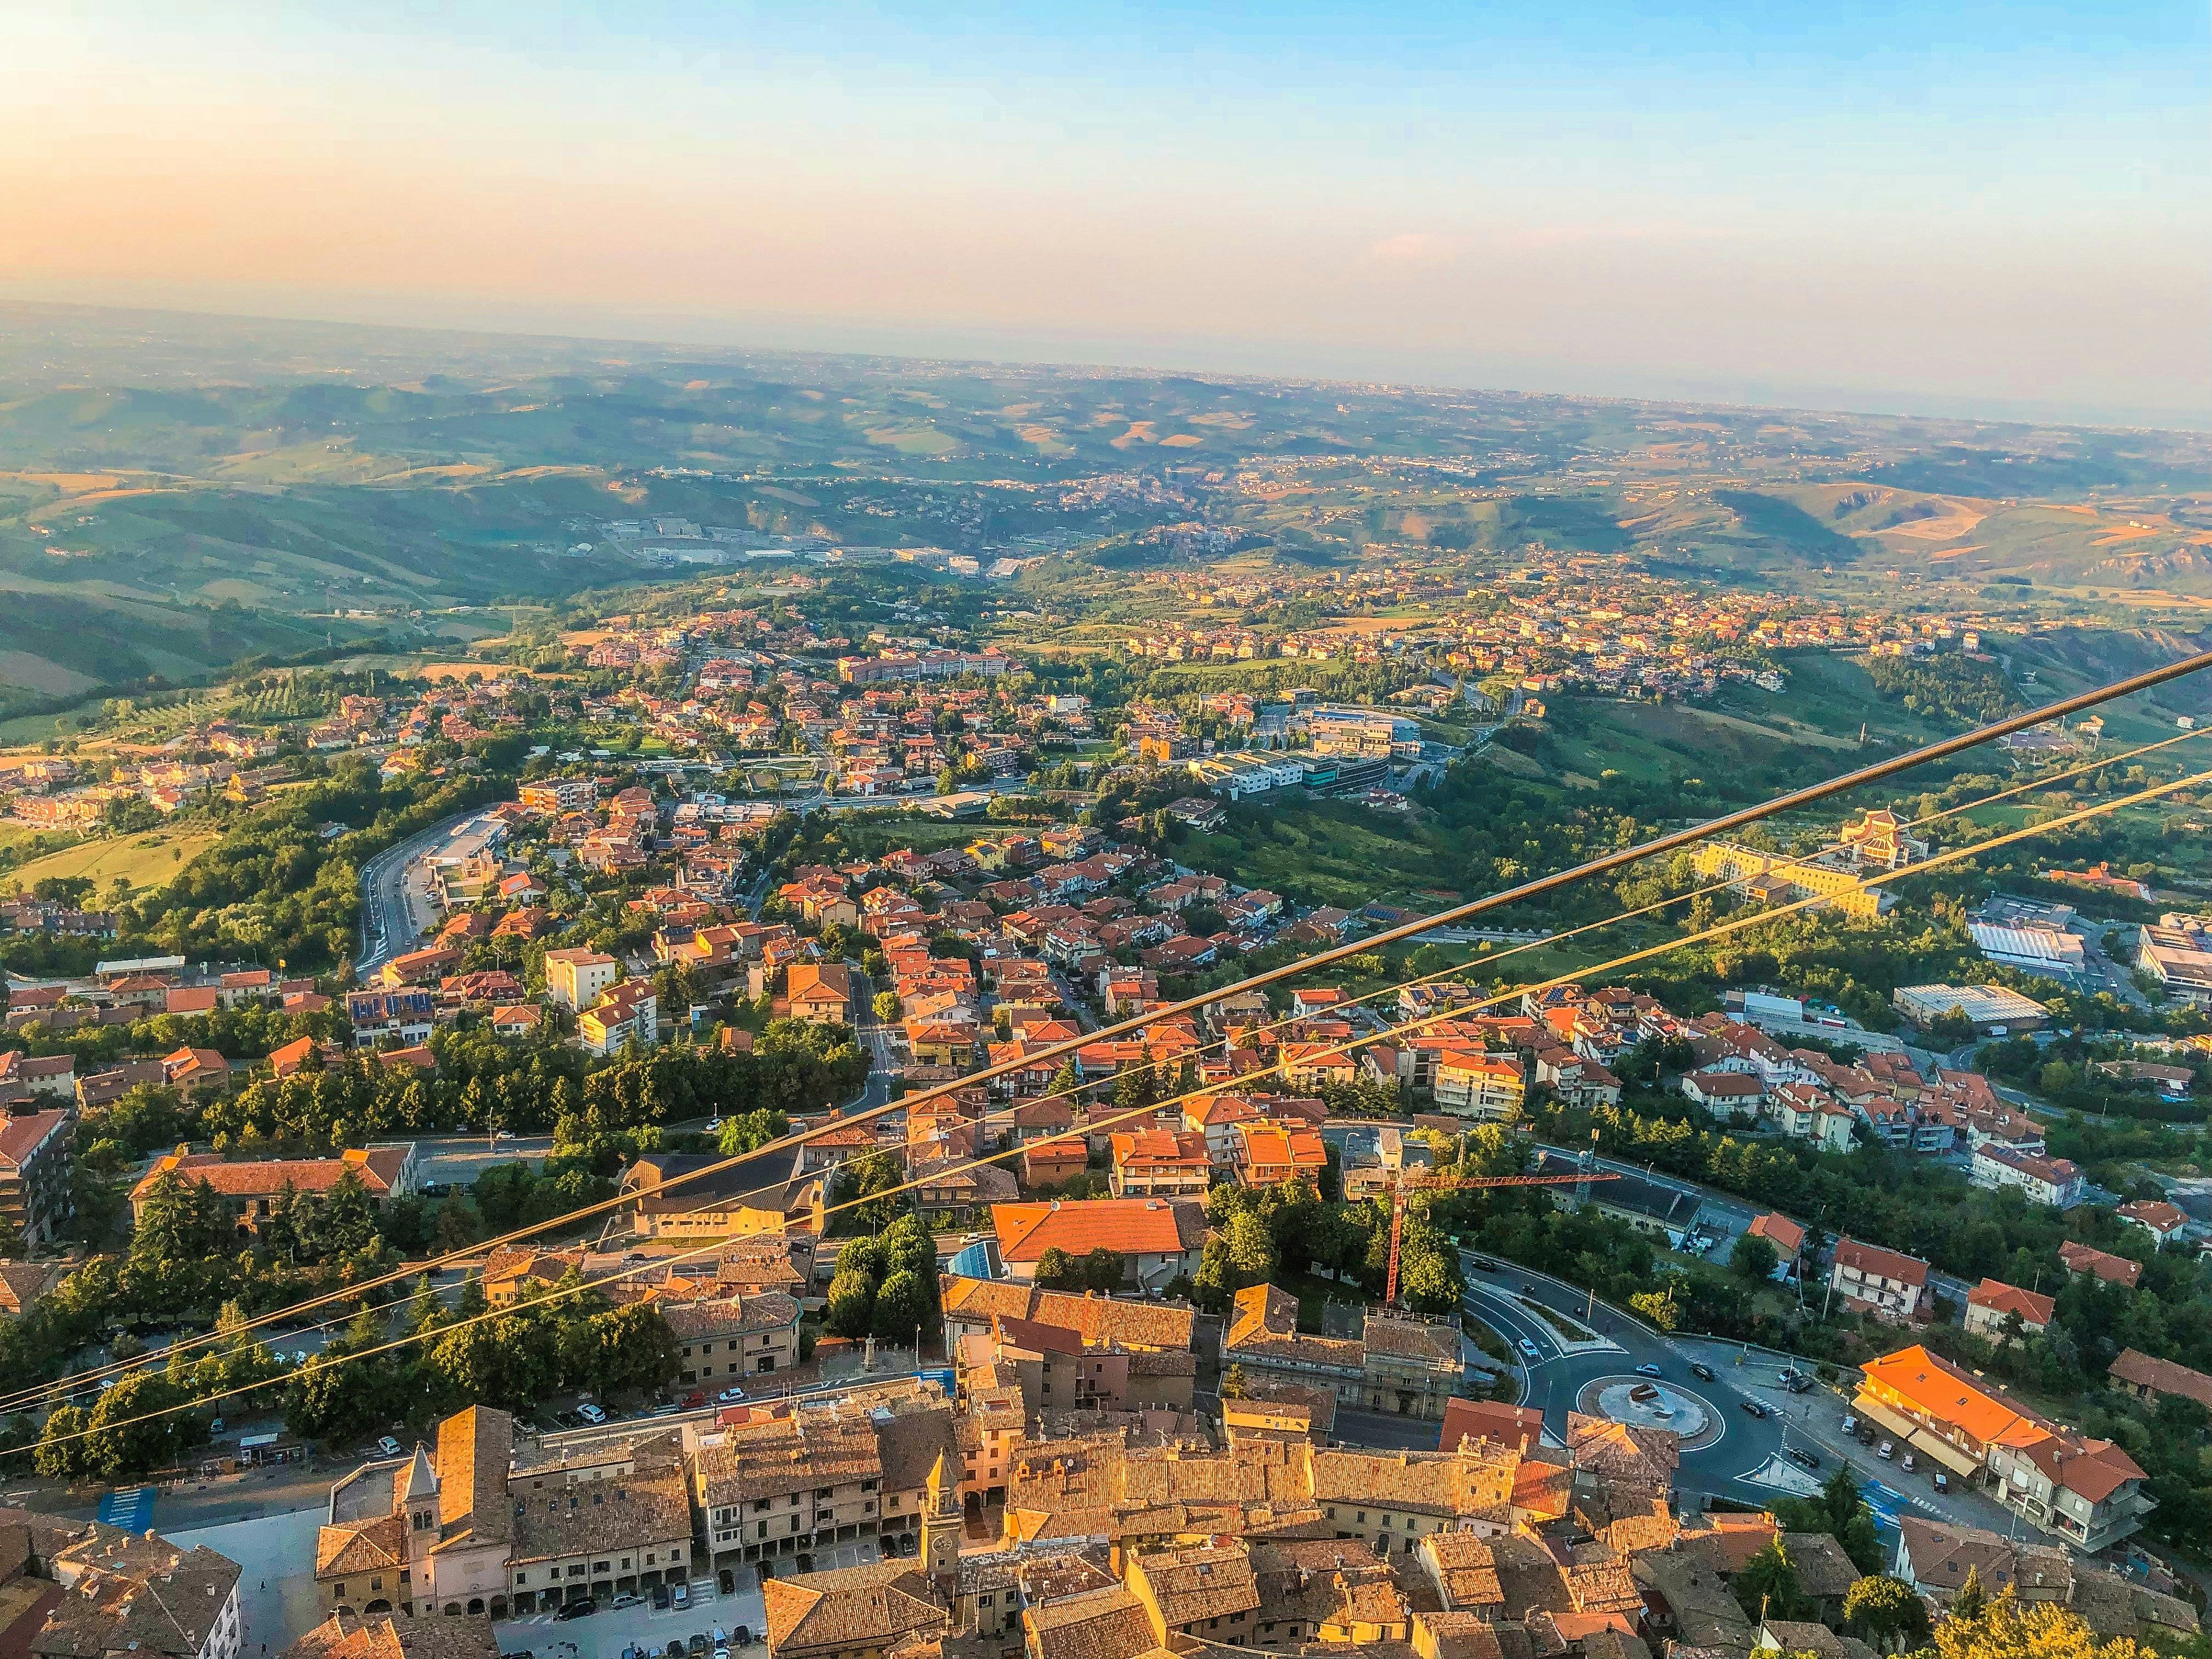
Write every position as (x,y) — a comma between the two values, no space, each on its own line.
(1484,1264)
(1755,1408)
(681,1595)
(387,1446)
(743,1636)
(1649,1370)
(569,1419)
(729,1397)
(1864,1434)
(627,1600)
(1528,1350)
(583,1609)
(1850,1424)
(697,1643)
(1943,1480)
(1908,1465)
(215,1427)
(695,1399)
(660,1598)
(668,1410)
(1802,1458)
(722,1653)
(1702,1371)
(1886,1451)
(590,1413)
(1796,1381)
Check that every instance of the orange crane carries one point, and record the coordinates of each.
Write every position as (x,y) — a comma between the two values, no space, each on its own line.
(1400,1189)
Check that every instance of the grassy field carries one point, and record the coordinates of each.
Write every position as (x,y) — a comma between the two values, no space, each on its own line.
(1327,850)
(143,861)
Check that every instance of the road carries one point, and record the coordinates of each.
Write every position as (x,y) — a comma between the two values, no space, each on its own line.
(457,1160)
(395,903)
(1745,1463)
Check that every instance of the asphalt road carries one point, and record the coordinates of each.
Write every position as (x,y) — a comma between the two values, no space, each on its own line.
(1736,1466)
(388,923)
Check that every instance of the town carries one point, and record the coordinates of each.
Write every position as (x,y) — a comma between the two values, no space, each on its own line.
(742,1127)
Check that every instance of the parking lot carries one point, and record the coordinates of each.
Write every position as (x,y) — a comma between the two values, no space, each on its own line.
(648,1630)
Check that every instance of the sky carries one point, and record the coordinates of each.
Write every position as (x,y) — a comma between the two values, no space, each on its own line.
(1984,208)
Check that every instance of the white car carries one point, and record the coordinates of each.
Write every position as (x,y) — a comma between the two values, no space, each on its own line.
(729,1397)
(1529,1349)
(387,1446)
(714,1126)
(590,1413)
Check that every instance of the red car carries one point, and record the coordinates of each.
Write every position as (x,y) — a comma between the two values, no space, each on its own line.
(694,1398)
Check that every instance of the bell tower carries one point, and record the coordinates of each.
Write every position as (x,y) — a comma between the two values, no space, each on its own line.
(941,1522)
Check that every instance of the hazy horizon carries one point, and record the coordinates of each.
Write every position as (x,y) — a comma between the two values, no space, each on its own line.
(1968,211)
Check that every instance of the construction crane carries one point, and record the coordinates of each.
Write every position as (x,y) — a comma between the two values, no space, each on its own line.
(1403,1188)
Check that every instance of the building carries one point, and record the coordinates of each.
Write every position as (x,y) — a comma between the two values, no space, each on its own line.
(1880,841)
(35,1197)
(387,1638)
(1160,1239)
(1883,1283)
(1161,1164)
(554,796)
(2048,950)
(852,1613)
(108,1592)
(2113,1269)
(1770,875)
(1487,1087)
(819,1471)
(1400,1362)
(624,1014)
(2055,1182)
(2163,1221)
(253,1191)
(725,1339)
(1992,1304)
(2178,953)
(700,1195)
(2089,1493)
(404,1016)
(575,979)
(467,1528)
(1935,1558)
(2148,1378)
(1992,1010)
(820,994)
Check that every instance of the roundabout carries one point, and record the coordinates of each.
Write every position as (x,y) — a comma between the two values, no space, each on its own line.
(1643,1403)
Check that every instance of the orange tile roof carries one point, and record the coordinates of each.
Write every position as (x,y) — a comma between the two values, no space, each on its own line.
(1144,1226)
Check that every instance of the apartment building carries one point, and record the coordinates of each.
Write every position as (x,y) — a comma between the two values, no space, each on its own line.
(1488,1088)
(1159,1239)
(1161,1164)
(1884,1283)
(624,1014)
(2054,1183)
(575,979)
(2089,1493)
(35,1200)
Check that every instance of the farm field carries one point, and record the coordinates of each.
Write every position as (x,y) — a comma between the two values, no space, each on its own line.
(148,859)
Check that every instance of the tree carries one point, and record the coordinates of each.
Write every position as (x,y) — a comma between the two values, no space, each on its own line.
(1056,1270)
(1656,1306)
(852,1304)
(1103,1269)
(631,1349)
(2008,1629)
(1972,1601)
(1754,1258)
(1767,1588)
(1233,1385)
(1886,1613)
(903,1305)
(886,1005)
(60,1453)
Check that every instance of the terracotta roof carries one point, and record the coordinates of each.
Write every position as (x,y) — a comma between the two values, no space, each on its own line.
(1871,1260)
(1134,1226)
(2162,1377)
(1167,1326)
(2002,1298)
(2113,1269)
(852,1607)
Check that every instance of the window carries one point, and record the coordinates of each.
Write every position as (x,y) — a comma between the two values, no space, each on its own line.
(520,1579)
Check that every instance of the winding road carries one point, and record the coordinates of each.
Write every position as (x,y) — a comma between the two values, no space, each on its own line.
(388,923)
